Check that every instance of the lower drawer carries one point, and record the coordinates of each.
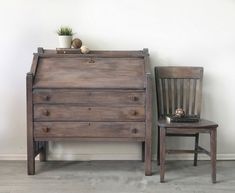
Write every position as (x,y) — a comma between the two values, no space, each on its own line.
(89,129)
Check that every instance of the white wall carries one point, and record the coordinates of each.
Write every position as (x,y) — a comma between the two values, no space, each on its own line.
(182,32)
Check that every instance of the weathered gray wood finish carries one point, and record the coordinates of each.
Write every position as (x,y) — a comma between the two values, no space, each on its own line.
(100,96)
(88,129)
(181,87)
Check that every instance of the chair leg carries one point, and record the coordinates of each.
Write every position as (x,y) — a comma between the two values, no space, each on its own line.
(162,153)
(196,149)
(213,154)
(158,146)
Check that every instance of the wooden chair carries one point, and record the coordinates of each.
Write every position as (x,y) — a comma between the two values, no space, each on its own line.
(181,87)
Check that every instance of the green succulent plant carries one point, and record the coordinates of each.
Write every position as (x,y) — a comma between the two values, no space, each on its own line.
(65,31)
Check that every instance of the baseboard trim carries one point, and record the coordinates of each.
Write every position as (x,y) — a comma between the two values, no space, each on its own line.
(133,156)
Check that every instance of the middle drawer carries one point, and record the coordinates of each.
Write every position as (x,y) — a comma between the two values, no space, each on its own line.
(73,112)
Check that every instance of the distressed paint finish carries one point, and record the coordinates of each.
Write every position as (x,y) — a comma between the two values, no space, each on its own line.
(181,87)
(100,96)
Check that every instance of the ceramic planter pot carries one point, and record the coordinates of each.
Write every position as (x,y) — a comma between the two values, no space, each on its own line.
(65,41)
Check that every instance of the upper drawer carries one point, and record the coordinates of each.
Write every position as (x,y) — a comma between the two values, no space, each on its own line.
(89,97)
(90,73)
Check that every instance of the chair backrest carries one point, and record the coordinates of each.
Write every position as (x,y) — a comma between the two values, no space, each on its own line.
(178,87)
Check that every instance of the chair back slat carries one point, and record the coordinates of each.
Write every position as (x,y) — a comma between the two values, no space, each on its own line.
(170,98)
(178,87)
(193,96)
(180,93)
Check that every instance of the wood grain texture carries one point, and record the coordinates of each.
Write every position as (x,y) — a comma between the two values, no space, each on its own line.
(30,141)
(100,96)
(179,72)
(203,123)
(213,151)
(91,97)
(181,87)
(78,113)
(148,140)
(98,53)
(82,73)
(117,176)
(88,129)
(162,153)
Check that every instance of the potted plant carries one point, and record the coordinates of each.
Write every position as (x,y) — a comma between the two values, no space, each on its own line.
(65,37)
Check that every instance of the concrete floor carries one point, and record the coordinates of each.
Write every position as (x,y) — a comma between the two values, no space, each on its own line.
(114,177)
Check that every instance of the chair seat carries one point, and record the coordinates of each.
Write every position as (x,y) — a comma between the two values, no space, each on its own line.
(202,123)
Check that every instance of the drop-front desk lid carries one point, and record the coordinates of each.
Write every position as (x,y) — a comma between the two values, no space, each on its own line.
(99,70)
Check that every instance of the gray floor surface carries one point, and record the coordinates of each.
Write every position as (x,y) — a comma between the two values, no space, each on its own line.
(114,177)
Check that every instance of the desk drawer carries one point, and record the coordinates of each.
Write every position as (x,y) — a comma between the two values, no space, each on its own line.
(91,97)
(80,113)
(89,129)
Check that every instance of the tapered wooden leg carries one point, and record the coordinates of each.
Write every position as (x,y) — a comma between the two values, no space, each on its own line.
(196,148)
(42,155)
(213,154)
(148,158)
(143,151)
(162,153)
(158,146)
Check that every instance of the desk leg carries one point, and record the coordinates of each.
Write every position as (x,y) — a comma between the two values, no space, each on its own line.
(42,155)
(148,157)
(30,141)
(31,157)
(143,151)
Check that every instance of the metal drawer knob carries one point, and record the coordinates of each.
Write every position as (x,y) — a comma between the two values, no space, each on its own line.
(46,98)
(134,98)
(46,129)
(134,113)
(46,113)
(134,130)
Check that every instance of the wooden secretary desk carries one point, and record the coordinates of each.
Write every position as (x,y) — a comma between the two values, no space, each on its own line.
(100,96)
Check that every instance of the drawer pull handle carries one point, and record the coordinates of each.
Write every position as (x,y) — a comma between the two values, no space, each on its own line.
(134,113)
(134,98)
(46,113)
(46,98)
(134,130)
(91,60)
(45,129)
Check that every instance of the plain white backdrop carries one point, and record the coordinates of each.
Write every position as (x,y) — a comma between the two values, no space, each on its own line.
(177,32)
